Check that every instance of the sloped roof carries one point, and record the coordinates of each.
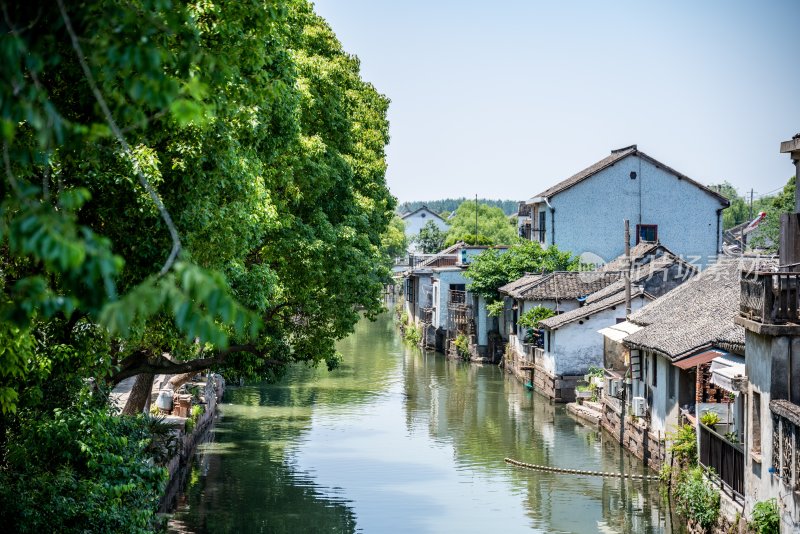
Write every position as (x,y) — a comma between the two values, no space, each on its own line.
(619,155)
(567,285)
(512,289)
(557,321)
(421,208)
(696,314)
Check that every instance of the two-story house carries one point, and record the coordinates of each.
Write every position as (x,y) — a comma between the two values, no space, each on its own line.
(582,214)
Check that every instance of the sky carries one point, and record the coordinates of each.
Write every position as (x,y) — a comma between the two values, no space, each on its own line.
(503,99)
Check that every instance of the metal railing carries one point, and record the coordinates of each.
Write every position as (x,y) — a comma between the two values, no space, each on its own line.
(457,298)
(724,457)
(770,298)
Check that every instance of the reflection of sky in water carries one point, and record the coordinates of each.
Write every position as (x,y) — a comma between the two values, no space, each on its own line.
(398,441)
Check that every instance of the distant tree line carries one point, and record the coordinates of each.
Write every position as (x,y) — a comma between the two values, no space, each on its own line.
(449,205)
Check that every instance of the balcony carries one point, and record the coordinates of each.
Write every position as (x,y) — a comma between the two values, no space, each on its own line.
(457,299)
(770,303)
(725,458)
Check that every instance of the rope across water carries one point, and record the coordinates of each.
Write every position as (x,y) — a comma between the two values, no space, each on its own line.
(578,471)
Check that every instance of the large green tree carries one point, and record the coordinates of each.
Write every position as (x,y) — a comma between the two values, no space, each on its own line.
(185,186)
(494,268)
(494,227)
(430,238)
(768,236)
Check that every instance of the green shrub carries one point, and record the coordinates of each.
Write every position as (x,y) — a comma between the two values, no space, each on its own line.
(404,318)
(81,469)
(765,519)
(684,445)
(709,418)
(413,334)
(462,346)
(696,499)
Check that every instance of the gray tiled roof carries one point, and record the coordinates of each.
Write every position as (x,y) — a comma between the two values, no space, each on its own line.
(617,299)
(695,315)
(563,285)
(513,289)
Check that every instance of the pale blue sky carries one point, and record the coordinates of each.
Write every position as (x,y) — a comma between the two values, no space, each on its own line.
(505,98)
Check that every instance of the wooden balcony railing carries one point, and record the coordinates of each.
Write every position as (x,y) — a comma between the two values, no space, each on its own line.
(426,315)
(770,298)
(457,298)
(724,457)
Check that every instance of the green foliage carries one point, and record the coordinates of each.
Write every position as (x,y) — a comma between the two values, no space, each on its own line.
(495,309)
(413,334)
(765,518)
(82,469)
(665,473)
(696,499)
(448,205)
(394,242)
(494,227)
(531,318)
(492,269)
(709,418)
(768,236)
(683,445)
(430,238)
(462,346)
(740,210)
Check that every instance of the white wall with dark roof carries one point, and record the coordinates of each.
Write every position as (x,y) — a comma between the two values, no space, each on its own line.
(589,216)
(417,219)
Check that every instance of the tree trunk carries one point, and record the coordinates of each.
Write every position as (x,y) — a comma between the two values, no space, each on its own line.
(178,380)
(140,394)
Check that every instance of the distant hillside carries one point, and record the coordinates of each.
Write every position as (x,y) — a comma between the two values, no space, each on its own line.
(450,204)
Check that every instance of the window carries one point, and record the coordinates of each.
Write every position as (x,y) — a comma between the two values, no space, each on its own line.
(672,378)
(422,215)
(654,382)
(755,422)
(646,232)
(542,224)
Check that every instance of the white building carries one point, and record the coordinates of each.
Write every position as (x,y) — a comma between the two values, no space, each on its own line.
(583,213)
(417,219)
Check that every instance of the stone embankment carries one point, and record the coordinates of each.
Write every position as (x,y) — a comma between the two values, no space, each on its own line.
(189,411)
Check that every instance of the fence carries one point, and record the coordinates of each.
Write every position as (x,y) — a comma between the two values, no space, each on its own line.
(724,457)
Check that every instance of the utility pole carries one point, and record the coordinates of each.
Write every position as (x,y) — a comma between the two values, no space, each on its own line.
(627,269)
(476,218)
(751,203)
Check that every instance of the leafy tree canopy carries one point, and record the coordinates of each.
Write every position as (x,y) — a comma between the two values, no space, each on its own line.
(740,210)
(430,238)
(394,241)
(493,268)
(768,236)
(494,227)
(185,186)
(445,207)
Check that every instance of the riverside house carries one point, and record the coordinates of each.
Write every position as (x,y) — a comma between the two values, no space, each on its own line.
(660,360)
(437,300)
(582,214)
(561,292)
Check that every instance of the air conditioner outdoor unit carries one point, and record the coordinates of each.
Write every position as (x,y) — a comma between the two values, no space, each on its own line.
(613,387)
(638,406)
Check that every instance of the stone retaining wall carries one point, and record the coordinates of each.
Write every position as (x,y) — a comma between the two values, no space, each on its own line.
(634,436)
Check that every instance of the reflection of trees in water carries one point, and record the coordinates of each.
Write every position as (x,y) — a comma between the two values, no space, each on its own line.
(257,480)
(487,416)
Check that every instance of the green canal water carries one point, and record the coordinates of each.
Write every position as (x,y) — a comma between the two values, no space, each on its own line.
(399,440)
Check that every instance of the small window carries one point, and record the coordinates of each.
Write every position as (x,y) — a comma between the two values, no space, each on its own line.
(755,422)
(654,383)
(422,215)
(672,379)
(646,232)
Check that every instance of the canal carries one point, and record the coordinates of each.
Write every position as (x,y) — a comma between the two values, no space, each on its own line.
(400,440)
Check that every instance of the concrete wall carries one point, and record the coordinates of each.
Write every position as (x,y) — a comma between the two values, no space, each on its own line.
(766,371)
(578,345)
(588,216)
(415,223)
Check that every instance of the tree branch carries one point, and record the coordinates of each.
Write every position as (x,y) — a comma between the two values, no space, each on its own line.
(140,362)
(173,231)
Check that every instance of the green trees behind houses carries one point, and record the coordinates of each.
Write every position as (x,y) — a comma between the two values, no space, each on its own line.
(494,227)
(186,186)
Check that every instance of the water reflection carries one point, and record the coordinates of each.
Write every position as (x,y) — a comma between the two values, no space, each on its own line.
(403,441)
